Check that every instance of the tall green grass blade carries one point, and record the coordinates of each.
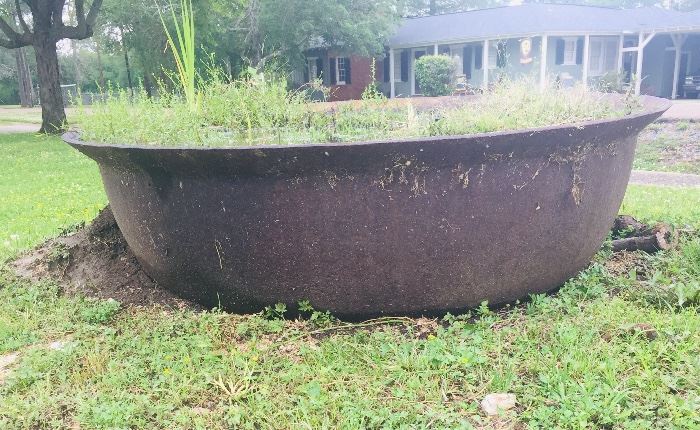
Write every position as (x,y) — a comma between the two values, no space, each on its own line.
(184,50)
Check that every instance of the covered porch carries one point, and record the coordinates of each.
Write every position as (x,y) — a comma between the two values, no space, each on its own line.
(654,63)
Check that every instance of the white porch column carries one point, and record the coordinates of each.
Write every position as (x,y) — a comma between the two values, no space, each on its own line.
(435,49)
(586,58)
(678,40)
(620,47)
(392,93)
(643,41)
(412,71)
(485,65)
(640,61)
(543,63)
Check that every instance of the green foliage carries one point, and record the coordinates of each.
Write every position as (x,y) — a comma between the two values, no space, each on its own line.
(678,206)
(317,318)
(183,51)
(435,74)
(275,312)
(99,311)
(260,110)
(45,186)
(372,91)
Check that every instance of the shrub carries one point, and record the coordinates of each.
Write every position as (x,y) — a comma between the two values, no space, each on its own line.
(435,74)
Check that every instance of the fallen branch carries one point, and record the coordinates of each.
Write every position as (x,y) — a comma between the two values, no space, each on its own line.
(642,237)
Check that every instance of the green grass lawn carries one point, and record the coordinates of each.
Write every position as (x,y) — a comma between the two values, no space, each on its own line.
(45,186)
(606,351)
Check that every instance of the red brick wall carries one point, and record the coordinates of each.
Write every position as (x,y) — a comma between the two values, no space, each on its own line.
(360,68)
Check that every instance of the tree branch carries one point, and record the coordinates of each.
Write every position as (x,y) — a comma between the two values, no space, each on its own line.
(8,44)
(80,12)
(14,39)
(92,14)
(20,16)
(85,27)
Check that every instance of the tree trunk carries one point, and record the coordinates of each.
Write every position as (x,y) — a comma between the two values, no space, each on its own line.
(53,113)
(126,62)
(100,66)
(24,77)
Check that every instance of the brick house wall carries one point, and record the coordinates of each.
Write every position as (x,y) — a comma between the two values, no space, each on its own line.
(360,68)
(360,73)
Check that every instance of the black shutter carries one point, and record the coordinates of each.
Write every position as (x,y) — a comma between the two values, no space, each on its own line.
(387,67)
(319,68)
(579,50)
(306,71)
(332,61)
(478,57)
(348,71)
(467,61)
(561,47)
(404,66)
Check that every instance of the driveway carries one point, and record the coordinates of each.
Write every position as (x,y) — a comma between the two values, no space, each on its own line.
(683,110)
(665,179)
(19,128)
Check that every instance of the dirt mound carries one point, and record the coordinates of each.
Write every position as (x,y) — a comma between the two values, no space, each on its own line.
(95,261)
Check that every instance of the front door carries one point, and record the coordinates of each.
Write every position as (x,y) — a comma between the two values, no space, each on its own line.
(416,86)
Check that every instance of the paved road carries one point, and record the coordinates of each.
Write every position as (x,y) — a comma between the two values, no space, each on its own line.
(688,110)
(19,128)
(667,179)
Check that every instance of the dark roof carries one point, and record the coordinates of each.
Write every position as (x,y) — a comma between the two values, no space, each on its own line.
(538,18)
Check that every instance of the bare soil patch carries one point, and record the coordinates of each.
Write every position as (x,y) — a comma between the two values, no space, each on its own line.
(95,261)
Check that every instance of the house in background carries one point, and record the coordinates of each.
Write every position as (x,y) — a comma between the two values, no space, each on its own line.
(567,43)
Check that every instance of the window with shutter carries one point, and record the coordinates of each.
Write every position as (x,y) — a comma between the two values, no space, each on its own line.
(467,61)
(603,55)
(348,71)
(311,71)
(493,56)
(342,65)
(595,61)
(404,65)
(611,55)
(319,68)
(579,50)
(387,67)
(334,75)
(570,49)
(561,49)
(501,55)
(478,57)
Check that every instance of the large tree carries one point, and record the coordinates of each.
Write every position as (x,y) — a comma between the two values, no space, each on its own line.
(270,28)
(41,25)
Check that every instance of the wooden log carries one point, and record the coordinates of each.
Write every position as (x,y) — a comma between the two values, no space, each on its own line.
(662,238)
(629,226)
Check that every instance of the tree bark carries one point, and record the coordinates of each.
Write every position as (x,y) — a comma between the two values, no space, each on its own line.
(53,115)
(100,66)
(24,78)
(126,62)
